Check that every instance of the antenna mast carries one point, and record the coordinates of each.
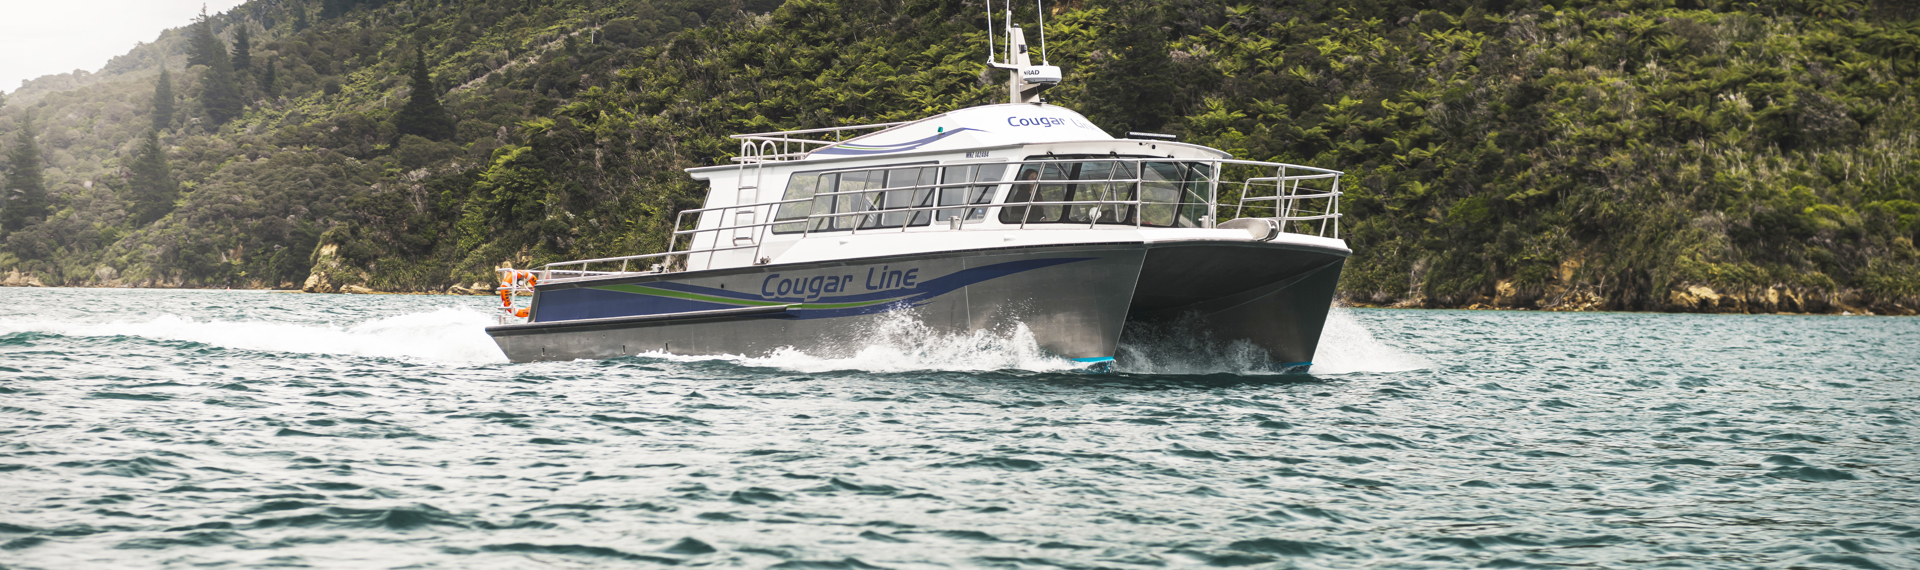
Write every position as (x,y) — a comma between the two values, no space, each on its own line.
(1009,22)
(1026,80)
(1041,12)
(990,55)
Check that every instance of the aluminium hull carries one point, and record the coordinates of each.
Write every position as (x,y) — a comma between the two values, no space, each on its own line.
(1274,296)
(1075,299)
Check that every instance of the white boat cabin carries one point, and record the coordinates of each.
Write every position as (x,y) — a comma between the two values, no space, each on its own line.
(982,177)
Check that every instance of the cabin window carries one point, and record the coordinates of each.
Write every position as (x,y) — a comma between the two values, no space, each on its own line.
(846,203)
(1173,194)
(916,191)
(854,193)
(1084,192)
(802,186)
(962,186)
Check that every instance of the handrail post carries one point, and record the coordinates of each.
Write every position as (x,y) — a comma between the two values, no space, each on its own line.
(1240,209)
(1293,198)
(1325,209)
(1280,203)
(1335,205)
(1213,195)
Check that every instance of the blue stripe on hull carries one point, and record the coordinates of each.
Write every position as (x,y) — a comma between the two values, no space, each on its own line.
(604,302)
(588,303)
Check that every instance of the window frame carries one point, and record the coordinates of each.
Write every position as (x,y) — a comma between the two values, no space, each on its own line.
(1183,207)
(792,217)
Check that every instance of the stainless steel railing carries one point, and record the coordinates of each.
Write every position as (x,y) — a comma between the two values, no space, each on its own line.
(789,145)
(1301,199)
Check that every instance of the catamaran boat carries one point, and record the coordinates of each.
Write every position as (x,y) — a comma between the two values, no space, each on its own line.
(983,218)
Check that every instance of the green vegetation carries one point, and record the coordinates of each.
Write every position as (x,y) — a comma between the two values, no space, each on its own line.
(26,190)
(423,116)
(151,189)
(163,101)
(219,86)
(1628,154)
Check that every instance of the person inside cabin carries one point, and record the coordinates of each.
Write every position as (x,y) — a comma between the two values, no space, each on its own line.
(1022,193)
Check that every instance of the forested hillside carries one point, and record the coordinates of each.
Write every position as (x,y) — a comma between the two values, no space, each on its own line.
(1626,154)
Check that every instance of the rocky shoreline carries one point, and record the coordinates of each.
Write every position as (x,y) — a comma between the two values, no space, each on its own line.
(1689,298)
(1692,298)
(332,275)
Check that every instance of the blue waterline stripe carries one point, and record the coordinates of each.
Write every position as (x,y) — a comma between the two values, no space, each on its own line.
(1110,359)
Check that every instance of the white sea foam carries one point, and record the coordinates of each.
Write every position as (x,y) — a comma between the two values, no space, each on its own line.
(1346,346)
(1187,348)
(456,336)
(898,342)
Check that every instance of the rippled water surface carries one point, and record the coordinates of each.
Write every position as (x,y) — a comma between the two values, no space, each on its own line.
(249,429)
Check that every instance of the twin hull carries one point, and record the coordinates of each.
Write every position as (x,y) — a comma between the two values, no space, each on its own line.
(1076,300)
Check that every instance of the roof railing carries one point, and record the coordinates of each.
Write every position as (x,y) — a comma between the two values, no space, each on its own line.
(780,146)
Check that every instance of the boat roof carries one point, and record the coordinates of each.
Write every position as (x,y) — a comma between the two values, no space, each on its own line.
(983,127)
(973,127)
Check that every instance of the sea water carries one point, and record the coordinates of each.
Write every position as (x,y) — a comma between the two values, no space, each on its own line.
(189,429)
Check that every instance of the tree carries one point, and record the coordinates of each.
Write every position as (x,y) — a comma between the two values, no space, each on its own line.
(423,114)
(219,92)
(202,44)
(163,101)
(270,77)
(242,50)
(300,17)
(151,192)
(26,190)
(1133,88)
(334,8)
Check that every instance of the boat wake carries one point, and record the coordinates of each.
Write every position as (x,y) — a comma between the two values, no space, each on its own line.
(448,336)
(1347,347)
(900,342)
(1186,347)
(896,343)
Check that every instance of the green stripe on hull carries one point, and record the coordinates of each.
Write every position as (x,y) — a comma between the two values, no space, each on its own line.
(649,291)
(848,305)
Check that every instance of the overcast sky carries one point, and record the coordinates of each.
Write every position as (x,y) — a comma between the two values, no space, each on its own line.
(44,37)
